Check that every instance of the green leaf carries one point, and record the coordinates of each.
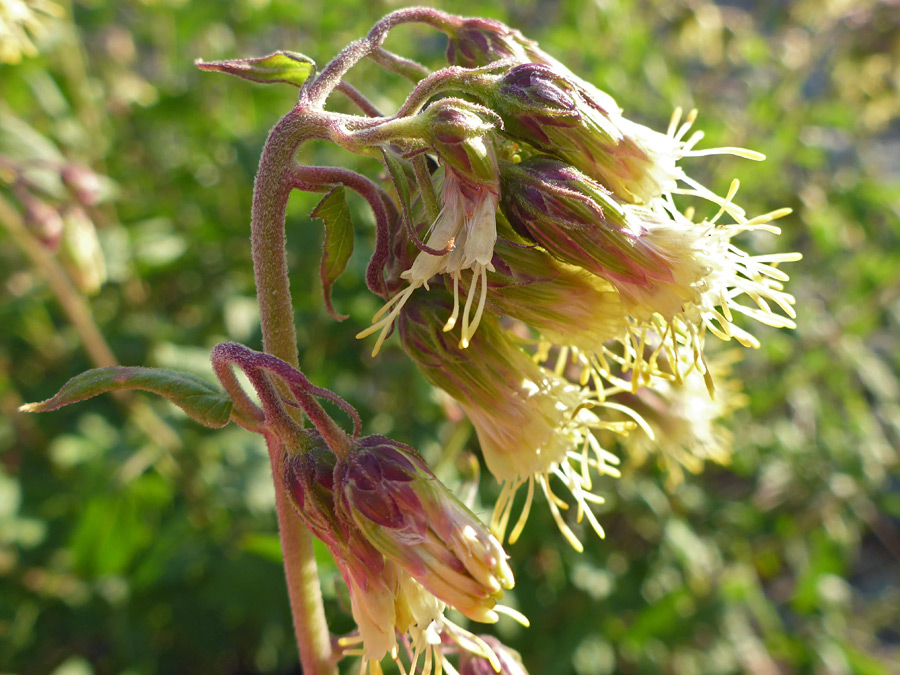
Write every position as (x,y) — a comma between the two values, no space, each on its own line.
(200,400)
(281,66)
(333,212)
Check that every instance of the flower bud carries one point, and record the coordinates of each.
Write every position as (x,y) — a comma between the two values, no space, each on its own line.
(540,105)
(476,42)
(458,131)
(530,422)
(387,490)
(506,661)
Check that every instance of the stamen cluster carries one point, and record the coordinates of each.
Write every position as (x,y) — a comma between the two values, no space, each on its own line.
(565,212)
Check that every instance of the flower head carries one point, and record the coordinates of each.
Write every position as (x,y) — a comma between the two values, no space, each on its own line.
(531,424)
(387,490)
(675,278)
(403,544)
(558,115)
(476,42)
(577,220)
(466,228)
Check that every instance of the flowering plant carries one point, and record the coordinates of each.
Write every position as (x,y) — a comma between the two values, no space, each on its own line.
(531,252)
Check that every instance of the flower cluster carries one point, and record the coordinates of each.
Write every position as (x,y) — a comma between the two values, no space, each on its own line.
(531,250)
(406,547)
(565,211)
(533,253)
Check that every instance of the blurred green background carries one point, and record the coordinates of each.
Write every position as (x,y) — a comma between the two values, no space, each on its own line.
(134,541)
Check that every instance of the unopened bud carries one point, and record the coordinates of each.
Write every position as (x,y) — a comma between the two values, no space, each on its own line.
(460,132)
(477,42)
(389,492)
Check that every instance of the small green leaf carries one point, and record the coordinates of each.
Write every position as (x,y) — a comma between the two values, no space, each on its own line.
(200,400)
(287,67)
(333,212)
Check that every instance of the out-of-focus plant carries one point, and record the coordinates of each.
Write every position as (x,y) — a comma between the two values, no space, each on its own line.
(533,251)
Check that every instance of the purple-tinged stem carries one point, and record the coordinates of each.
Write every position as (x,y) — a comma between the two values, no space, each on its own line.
(357,50)
(399,65)
(270,197)
(357,97)
(310,178)
(254,363)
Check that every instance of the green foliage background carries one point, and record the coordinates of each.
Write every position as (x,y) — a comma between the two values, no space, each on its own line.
(129,548)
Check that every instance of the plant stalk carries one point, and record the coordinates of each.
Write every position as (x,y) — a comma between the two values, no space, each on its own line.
(270,197)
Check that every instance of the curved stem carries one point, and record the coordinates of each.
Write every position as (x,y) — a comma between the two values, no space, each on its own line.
(270,197)
(473,81)
(359,49)
(399,65)
(311,178)
(357,97)
(254,364)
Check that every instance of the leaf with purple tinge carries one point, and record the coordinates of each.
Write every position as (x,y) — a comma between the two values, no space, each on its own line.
(279,67)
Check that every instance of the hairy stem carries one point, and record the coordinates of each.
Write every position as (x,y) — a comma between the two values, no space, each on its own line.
(270,198)
(399,65)
(359,49)
(357,97)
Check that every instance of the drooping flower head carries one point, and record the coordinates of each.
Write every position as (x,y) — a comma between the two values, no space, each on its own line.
(566,305)
(675,278)
(688,425)
(578,221)
(387,490)
(531,424)
(404,545)
(584,127)
(465,229)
